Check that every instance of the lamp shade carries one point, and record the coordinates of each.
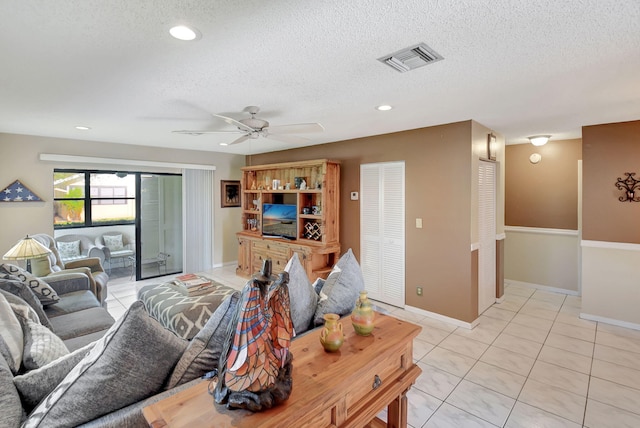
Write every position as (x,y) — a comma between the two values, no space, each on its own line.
(539,140)
(25,249)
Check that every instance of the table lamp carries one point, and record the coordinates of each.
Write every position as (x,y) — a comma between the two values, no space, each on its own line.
(27,249)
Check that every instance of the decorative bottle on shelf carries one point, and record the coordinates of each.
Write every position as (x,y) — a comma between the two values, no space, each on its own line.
(363,315)
(331,335)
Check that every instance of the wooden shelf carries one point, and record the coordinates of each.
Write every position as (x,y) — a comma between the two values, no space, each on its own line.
(324,178)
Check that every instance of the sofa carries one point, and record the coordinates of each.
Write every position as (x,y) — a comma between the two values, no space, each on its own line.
(142,359)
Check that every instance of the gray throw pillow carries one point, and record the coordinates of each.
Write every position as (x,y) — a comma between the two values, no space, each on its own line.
(302,296)
(341,289)
(203,353)
(34,385)
(41,289)
(10,406)
(185,315)
(11,284)
(129,363)
(11,332)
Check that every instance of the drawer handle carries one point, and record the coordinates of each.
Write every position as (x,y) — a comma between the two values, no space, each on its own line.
(376,382)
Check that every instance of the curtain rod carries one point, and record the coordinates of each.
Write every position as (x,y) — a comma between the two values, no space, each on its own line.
(120,162)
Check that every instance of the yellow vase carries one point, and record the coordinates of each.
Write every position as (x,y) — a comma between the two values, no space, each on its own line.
(331,335)
(363,316)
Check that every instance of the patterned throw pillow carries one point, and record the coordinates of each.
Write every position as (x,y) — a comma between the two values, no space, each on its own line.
(341,289)
(203,353)
(113,242)
(302,295)
(41,289)
(185,315)
(129,363)
(68,250)
(41,346)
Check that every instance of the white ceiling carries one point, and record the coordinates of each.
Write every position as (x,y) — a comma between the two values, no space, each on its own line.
(519,67)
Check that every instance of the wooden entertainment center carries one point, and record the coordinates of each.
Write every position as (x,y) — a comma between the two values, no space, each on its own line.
(348,388)
(312,189)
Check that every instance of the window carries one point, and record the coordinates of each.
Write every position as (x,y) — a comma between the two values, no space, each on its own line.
(90,198)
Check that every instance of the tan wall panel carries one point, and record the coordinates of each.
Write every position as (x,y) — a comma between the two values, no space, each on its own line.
(608,152)
(438,173)
(543,195)
(20,161)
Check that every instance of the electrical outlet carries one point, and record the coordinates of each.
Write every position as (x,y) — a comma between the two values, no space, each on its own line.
(419,291)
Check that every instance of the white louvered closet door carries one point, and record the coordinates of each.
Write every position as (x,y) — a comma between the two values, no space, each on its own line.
(486,235)
(382,231)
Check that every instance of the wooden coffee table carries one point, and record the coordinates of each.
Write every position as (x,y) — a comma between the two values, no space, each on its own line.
(343,389)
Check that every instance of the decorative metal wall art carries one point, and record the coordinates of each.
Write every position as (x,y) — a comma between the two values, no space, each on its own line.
(630,186)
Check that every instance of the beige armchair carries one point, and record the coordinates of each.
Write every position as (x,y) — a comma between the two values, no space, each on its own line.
(53,265)
(78,247)
(116,246)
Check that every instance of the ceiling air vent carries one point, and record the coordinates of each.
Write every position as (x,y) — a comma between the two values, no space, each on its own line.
(411,58)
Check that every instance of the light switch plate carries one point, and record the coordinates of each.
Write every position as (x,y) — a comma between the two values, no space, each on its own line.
(354,196)
(418,223)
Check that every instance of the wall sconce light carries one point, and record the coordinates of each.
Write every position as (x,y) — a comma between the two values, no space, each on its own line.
(631,186)
(539,140)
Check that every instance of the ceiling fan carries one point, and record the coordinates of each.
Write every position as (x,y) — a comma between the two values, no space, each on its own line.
(253,128)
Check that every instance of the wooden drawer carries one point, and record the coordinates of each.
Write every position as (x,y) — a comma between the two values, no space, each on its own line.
(274,249)
(376,376)
(277,263)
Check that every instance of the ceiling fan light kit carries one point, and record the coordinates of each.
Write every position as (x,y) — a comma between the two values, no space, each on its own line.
(253,128)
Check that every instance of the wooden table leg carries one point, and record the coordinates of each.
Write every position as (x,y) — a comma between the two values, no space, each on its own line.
(397,412)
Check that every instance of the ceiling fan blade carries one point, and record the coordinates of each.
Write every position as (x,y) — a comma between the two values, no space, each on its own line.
(234,122)
(187,132)
(290,139)
(239,140)
(297,128)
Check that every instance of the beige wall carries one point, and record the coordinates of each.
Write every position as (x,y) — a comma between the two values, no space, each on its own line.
(542,245)
(608,152)
(543,257)
(20,161)
(611,235)
(439,176)
(544,194)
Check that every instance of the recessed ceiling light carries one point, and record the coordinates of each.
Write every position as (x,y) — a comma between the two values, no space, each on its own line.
(224,144)
(182,32)
(83,128)
(384,107)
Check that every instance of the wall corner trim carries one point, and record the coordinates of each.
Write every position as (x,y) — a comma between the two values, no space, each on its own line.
(611,245)
(541,230)
(475,246)
(611,321)
(501,236)
(443,318)
(568,292)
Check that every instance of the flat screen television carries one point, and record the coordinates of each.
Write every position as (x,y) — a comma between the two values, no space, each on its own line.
(280,220)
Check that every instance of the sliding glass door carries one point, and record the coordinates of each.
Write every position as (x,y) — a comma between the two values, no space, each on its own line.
(159,240)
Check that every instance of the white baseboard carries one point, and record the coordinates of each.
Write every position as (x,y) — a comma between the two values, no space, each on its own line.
(500,299)
(611,321)
(542,287)
(219,265)
(443,318)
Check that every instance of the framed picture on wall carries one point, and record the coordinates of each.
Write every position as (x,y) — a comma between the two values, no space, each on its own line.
(230,193)
(491,146)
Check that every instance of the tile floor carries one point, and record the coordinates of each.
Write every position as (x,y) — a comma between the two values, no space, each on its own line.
(531,362)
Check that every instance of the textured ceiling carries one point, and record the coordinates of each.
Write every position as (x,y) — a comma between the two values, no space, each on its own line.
(518,67)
